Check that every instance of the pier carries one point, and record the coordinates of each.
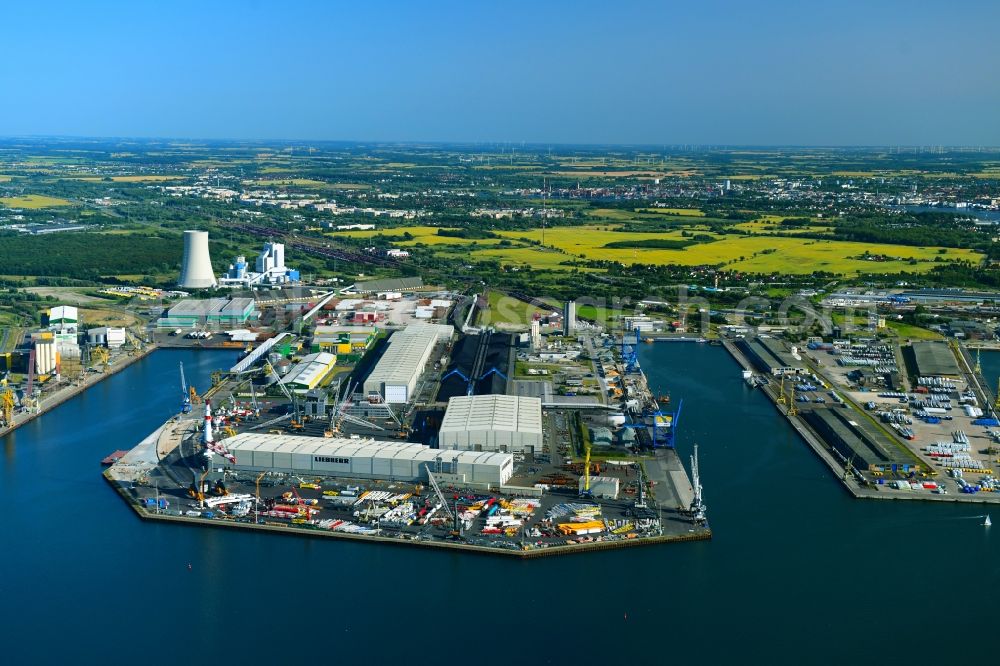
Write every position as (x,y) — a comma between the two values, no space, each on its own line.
(836,464)
(64,393)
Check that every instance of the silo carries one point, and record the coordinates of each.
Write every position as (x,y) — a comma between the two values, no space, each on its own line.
(196,269)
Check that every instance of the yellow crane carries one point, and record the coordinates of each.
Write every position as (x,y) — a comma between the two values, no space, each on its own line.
(792,409)
(781,391)
(100,356)
(7,406)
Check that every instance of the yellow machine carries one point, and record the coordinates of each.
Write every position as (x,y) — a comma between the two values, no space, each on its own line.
(100,356)
(7,406)
(195,398)
(228,431)
(792,409)
(197,490)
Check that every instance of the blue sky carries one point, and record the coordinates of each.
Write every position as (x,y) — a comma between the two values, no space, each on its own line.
(699,72)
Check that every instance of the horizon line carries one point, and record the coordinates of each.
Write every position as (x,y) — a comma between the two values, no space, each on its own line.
(510,144)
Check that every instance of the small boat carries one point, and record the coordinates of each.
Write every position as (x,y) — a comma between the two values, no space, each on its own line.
(987,522)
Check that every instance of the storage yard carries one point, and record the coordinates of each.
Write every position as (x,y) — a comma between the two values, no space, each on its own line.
(911,422)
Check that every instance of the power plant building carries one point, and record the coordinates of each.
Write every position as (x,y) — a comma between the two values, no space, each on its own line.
(196,268)
(219,313)
(395,375)
(270,269)
(492,422)
(366,459)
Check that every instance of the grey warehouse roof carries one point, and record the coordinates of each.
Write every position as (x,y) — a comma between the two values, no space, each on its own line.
(346,448)
(935,359)
(493,412)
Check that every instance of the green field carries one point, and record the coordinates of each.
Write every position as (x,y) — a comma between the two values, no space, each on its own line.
(504,309)
(687,212)
(908,331)
(33,201)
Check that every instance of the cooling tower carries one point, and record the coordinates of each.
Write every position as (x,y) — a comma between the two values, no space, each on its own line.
(196,269)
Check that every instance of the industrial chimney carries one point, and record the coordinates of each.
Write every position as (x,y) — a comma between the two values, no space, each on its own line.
(196,269)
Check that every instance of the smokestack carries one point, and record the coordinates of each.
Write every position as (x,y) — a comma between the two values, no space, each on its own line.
(207,432)
(196,269)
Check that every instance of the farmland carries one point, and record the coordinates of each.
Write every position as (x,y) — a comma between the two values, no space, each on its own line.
(32,201)
(759,254)
(421,234)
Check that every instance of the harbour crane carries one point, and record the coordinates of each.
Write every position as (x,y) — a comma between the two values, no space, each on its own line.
(630,353)
(339,415)
(437,491)
(100,356)
(7,403)
(404,430)
(297,420)
(185,398)
(697,503)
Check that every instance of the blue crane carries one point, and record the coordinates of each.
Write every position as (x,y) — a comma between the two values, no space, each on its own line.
(468,382)
(665,427)
(471,383)
(630,353)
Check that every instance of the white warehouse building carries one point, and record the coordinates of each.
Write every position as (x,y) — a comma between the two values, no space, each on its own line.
(505,423)
(395,375)
(366,459)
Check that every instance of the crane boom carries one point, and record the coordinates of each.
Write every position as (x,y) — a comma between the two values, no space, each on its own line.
(437,491)
(284,389)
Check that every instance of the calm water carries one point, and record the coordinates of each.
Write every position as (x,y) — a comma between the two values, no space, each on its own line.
(798,572)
